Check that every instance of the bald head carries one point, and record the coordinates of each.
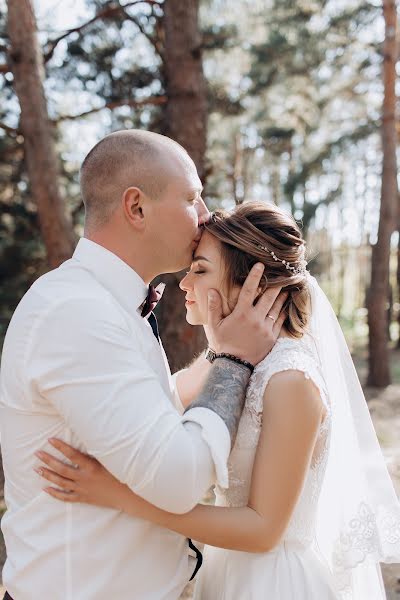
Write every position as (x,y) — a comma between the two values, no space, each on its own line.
(129,158)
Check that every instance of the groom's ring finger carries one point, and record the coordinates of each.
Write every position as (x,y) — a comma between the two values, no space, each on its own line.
(276,308)
(65,484)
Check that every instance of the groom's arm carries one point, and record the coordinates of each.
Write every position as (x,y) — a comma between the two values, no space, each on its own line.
(189,382)
(89,368)
(224,393)
(82,360)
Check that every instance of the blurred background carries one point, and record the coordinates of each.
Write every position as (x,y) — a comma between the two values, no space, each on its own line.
(275,100)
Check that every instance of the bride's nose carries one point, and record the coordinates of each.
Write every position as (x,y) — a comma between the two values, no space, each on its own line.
(185,283)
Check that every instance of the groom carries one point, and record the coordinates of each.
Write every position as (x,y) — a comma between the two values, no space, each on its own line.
(82,362)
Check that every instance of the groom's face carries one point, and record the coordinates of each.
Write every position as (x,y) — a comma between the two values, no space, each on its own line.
(177,217)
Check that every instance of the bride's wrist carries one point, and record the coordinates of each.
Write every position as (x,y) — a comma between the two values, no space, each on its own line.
(121,498)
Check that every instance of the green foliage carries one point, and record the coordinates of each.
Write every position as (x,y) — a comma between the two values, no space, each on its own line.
(299,62)
(293,92)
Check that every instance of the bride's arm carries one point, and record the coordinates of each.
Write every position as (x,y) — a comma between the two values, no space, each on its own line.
(292,414)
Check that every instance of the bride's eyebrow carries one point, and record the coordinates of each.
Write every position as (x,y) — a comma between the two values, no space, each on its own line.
(197,258)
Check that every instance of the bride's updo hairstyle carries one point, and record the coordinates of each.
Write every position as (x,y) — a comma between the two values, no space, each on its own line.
(257,232)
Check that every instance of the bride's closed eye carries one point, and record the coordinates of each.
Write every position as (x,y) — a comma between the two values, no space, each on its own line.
(195,272)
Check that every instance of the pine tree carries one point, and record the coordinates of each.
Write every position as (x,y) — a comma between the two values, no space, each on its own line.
(27,67)
(379,367)
(186,122)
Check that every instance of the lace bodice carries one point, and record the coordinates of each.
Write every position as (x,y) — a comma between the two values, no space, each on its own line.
(287,354)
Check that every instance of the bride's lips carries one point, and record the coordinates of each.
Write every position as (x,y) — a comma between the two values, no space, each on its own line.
(189,302)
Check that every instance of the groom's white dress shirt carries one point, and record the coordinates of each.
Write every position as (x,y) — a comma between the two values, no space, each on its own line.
(81,364)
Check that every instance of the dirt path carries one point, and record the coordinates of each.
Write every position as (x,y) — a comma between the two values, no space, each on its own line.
(385,412)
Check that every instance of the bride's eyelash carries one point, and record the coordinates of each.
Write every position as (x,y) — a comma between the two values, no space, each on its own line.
(195,272)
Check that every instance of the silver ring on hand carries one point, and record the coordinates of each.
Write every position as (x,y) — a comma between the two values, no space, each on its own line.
(271,317)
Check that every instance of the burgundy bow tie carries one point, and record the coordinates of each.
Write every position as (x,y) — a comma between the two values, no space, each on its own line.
(153,298)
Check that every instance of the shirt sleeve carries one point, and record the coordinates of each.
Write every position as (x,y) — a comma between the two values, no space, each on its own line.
(90,367)
(176,399)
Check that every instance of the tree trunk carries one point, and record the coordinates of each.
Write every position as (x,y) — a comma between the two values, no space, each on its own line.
(27,66)
(379,368)
(237,170)
(186,110)
(186,122)
(398,275)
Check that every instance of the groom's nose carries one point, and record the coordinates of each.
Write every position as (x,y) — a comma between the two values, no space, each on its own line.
(203,212)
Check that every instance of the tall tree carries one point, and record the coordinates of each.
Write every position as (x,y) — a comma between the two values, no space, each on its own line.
(379,368)
(185,122)
(26,62)
(186,110)
(398,272)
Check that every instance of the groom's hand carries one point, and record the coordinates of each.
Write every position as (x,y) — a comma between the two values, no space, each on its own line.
(251,330)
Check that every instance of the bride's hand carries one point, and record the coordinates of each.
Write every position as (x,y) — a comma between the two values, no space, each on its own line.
(86,480)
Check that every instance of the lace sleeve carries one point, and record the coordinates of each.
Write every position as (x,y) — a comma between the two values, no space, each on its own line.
(287,355)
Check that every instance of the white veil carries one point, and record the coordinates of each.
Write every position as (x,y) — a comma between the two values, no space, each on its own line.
(358,521)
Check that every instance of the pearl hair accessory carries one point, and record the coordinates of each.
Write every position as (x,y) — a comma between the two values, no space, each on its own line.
(301,270)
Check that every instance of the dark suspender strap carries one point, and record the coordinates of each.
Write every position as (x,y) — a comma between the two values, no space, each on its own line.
(199,557)
(154,325)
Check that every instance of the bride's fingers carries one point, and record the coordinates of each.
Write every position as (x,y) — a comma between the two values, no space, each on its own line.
(58,466)
(62,482)
(62,495)
(74,455)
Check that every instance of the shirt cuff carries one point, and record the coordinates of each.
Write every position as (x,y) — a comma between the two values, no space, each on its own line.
(176,399)
(216,435)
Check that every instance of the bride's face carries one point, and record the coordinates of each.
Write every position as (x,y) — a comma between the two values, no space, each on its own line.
(207,272)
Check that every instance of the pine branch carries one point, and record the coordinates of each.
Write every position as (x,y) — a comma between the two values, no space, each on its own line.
(103,14)
(152,100)
(10,151)
(153,40)
(10,130)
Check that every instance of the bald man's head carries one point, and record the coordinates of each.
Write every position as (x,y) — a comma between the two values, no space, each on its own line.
(129,158)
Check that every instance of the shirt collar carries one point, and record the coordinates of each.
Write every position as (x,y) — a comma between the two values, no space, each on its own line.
(113,273)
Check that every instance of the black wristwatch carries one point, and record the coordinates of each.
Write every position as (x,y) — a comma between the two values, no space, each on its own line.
(211,355)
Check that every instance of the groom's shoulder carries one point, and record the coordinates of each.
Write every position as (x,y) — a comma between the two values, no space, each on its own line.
(70,278)
(67,289)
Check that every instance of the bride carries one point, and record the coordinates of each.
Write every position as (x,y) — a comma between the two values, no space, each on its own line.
(310,510)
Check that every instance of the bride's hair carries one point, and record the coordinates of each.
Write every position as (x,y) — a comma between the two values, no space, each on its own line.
(257,232)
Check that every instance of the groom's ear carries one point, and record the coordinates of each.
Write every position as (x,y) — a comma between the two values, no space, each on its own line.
(132,204)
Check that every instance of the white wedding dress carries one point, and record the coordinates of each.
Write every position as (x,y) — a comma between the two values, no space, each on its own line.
(294,570)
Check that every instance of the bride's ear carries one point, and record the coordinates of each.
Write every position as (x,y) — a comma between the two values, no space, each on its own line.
(132,205)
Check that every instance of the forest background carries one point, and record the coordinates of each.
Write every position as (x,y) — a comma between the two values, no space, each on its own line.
(279,101)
